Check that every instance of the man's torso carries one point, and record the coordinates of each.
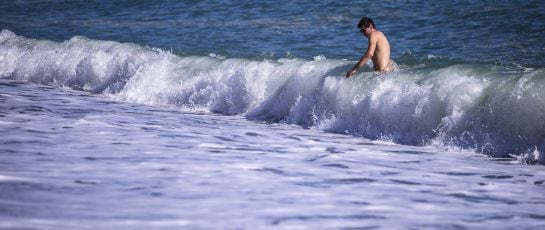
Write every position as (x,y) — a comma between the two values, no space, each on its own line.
(381,57)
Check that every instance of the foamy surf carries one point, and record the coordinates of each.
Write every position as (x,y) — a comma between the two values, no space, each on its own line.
(481,107)
(69,158)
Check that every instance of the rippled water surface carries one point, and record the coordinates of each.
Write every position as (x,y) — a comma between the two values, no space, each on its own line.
(484,31)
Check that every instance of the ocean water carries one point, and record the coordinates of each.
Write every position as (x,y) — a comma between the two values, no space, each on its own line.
(226,114)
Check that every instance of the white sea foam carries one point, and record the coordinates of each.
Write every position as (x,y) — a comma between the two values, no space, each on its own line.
(466,105)
(84,156)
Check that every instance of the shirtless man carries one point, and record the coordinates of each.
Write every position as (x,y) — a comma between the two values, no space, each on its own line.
(378,49)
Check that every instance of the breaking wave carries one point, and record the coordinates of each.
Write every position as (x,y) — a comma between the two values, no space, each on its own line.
(495,110)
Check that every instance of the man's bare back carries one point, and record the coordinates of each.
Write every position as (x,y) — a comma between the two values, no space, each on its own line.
(378,50)
(381,57)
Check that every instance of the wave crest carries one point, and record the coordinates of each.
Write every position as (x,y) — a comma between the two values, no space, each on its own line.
(483,107)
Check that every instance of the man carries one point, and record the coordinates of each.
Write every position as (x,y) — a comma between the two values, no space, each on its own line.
(378,49)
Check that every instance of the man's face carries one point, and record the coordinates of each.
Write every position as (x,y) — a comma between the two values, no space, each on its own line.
(365,31)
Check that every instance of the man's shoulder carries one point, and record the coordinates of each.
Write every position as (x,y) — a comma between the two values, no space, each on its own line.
(377,35)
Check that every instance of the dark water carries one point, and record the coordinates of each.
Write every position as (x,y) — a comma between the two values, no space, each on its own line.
(502,32)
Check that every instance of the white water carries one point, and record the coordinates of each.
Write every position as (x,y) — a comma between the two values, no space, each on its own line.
(482,108)
(71,160)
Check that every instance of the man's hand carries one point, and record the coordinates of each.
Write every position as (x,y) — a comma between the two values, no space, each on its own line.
(351,72)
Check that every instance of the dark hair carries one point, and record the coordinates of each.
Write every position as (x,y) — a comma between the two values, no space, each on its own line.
(365,21)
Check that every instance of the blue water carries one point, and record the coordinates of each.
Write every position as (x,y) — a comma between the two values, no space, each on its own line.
(503,32)
(219,114)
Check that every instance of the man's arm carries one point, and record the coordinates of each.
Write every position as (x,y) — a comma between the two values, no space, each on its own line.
(365,58)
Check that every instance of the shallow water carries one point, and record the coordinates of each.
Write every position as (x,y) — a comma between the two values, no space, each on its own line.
(219,114)
(74,160)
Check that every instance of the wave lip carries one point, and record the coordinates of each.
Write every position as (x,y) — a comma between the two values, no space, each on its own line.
(483,107)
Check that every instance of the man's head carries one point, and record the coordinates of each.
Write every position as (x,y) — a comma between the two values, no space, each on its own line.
(364,24)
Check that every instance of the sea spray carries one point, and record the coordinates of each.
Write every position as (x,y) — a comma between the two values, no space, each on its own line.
(484,107)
